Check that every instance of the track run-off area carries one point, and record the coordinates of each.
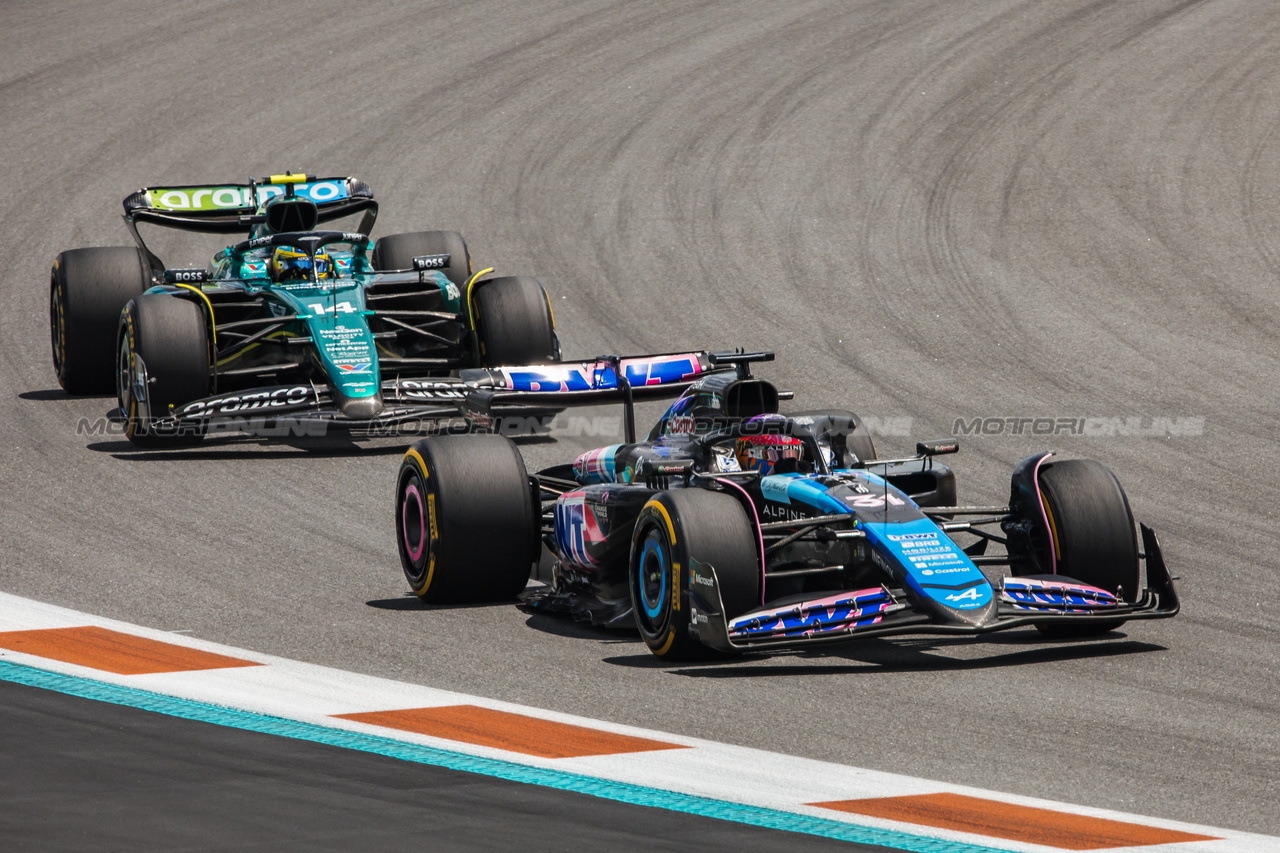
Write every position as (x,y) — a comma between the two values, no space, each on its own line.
(1010,213)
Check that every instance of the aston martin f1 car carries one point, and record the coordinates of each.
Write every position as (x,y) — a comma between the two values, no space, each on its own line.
(735,528)
(289,324)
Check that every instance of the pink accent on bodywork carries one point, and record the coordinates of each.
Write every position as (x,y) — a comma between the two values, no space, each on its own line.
(1032,583)
(1035,481)
(422,522)
(878,597)
(1040,594)
(688,359)
(593,463)
(755,522)
(831,600)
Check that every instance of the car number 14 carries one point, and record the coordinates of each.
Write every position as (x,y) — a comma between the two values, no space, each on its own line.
(320,309)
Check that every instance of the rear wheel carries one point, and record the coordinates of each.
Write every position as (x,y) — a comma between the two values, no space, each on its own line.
(397,251)
(674,530)
(163,338)
(1091,536)
(88,288)
(466,524)
(513,320)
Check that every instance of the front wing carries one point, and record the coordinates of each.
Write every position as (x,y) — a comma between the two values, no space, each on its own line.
(880,612)
(417,406)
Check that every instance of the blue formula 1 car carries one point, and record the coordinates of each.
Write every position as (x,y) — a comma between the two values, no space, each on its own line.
(733,527)
(289,325)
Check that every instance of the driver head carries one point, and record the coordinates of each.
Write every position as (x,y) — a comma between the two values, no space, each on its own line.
(769,453)
(291,264)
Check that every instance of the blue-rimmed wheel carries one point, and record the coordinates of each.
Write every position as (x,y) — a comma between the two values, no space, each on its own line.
(655,565)
(673,531)
(466,525)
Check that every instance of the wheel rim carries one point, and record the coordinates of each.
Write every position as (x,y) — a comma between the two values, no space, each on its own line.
(59,329)
(415,541)
(124,379)
(652,577)
(413,523)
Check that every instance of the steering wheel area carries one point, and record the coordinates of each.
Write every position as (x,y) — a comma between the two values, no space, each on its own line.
(813,451)
(312,240)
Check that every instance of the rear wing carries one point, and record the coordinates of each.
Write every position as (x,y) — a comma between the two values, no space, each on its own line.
(231,208)
(607,379)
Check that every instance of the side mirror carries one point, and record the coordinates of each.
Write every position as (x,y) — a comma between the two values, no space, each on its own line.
(937,447)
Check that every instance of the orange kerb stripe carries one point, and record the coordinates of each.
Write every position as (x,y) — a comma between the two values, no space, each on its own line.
(512,732)
(112,651)
(1016,823)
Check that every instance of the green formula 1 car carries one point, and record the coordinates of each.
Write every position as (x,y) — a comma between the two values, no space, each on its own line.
(290,328)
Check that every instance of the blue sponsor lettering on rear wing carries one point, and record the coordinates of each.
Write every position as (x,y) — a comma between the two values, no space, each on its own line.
(583,383)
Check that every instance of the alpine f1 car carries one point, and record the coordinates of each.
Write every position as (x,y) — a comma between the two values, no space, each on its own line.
(289,322)
(735,528)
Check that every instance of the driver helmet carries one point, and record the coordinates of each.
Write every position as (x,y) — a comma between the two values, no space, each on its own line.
(769,454)
(291,264)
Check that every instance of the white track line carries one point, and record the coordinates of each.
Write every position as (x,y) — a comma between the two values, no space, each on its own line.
(313,694)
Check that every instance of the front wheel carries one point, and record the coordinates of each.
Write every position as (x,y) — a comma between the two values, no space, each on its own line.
(673,531)
(466,524)
(514,323)
(1089,537)
(163,364)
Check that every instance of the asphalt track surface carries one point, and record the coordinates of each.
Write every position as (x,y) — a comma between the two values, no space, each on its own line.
(81,775)
(930,210)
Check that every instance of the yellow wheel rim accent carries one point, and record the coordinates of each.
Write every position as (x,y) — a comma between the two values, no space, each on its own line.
(422,465)
(671,530)
(213,328)
(470,284)
(1053,531)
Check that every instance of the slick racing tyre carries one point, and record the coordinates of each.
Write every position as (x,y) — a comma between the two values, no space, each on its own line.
(397,251)
(1091,535)
(467,524)
(163,340)
(88,288)
(840,427)
(514,322)
(672,530)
